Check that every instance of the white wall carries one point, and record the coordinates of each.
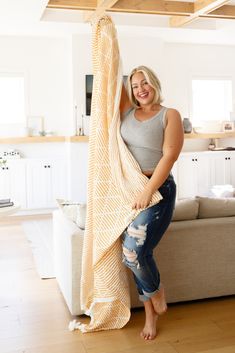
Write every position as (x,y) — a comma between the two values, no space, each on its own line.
(47,64)
(183,61)
(56,71)
(174,63)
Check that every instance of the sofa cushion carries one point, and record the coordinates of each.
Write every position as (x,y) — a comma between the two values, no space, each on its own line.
(76,212)
(210,207)
(186,209)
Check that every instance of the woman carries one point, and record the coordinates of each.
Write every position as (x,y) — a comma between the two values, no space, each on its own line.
(154,135)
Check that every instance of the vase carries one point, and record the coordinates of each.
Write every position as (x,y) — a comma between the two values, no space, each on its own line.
(187,125)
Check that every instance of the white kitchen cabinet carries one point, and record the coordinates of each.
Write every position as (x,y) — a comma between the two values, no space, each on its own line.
(232,169)
(46,181)
(13,181)
(223,168)
(4,182)
(193,175)
(33,183)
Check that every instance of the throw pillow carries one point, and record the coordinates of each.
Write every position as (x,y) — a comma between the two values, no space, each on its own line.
(76,212)
(185,209)
(210,207)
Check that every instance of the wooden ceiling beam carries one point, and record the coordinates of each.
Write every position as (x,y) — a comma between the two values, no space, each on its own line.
(101,7)
(226,11)
(201,7)
(72,4)
(179,8)
(154,7)
(130,6)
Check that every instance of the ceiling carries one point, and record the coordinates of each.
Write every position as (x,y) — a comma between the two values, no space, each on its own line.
(174,21)
(180,12)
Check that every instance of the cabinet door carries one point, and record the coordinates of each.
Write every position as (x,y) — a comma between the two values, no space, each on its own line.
(187,183)
(218,175)
(38,184)
(223,168)
(232,169)
(59,179)
(229,168)
(13,182)
(4,182)
(193,175)
(46,181)
(17,179)
(203,175)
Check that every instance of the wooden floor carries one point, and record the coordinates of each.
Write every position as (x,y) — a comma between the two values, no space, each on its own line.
(34,317)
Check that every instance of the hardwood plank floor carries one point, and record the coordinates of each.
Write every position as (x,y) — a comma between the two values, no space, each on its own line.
(34,317)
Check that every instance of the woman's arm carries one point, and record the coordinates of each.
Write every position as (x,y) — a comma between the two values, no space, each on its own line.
(172,145)
(125,104)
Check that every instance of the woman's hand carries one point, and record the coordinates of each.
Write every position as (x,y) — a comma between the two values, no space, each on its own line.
(143,200)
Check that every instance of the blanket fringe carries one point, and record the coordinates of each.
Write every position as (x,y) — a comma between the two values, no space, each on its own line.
(75,325)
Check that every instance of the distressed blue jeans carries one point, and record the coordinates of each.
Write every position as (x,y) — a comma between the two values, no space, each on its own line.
(142,236)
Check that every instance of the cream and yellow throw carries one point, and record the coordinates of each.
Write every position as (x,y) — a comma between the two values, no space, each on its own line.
(114,180)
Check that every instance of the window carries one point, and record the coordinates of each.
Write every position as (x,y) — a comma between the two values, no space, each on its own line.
(12,99)
(211,100)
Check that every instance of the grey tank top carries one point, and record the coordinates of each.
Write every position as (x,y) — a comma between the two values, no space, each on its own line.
(144,139)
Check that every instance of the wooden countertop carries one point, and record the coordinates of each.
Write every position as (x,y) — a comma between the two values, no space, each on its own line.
(31,139)
(43,139)
(212,135)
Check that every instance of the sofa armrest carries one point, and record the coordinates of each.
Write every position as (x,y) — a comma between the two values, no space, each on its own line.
(68,243)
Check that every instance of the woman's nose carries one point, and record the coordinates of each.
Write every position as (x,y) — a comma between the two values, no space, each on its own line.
(141,88)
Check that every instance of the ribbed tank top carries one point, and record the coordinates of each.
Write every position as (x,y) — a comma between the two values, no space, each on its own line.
(144,139)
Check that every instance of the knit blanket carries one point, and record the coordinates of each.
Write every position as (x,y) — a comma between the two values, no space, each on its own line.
(114,180)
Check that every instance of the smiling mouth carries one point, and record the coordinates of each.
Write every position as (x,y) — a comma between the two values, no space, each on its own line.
(143,95)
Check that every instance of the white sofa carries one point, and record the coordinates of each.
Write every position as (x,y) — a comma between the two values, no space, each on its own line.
(196,256)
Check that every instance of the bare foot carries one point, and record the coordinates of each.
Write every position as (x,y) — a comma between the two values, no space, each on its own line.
(150,328)
(159,301)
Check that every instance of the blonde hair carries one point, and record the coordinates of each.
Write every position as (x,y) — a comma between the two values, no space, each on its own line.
(152,80)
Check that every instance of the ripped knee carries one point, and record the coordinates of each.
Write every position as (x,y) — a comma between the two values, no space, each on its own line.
(139,234)
(130,257)
(130,253)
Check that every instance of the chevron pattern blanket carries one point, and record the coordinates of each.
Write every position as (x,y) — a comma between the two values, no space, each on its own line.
(114,180)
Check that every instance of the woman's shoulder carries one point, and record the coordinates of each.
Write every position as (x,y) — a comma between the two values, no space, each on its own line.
(171,115)
(172,112)
(127,112)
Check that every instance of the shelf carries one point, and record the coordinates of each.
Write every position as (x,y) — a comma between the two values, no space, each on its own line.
(41,139)
(32,139)
(77,139)
(212,135)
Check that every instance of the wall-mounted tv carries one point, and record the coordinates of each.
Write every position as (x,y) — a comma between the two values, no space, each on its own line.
(89,85)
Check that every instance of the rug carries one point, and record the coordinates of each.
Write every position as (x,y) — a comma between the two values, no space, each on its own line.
(40,236)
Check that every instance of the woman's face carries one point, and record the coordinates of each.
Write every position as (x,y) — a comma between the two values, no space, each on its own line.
(141,89)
